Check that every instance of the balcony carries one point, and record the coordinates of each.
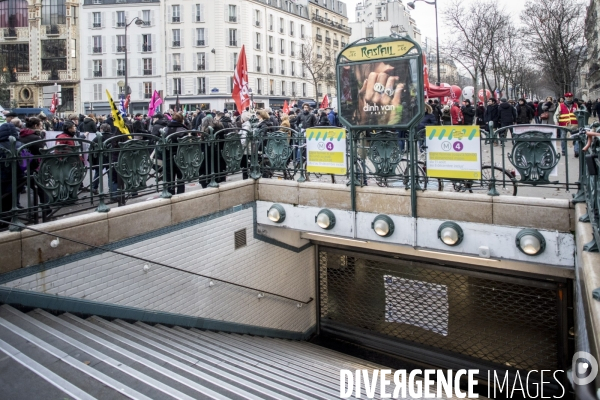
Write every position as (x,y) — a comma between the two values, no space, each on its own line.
(97,25)
(147,95)
(120,72)
(330,23)
(176,67)
(10,33)
(319,56)
(283,92)
(257,46)
(303,94)
(272,92)
(121,24)
(232,18)
(280,30)
(176,43)
(201,67)
(98,74)
(52,30)
(291,33)
(270,27)
(233,42)
(121,49)
(344,44)
(259,91)
(97,50)
(147,72)
(145,23)
(146,48)
(175,19)
(328,40)
(200,42)
(257,23)
(302,36)
(258,68)
(198,18)
(319,38)
(282,52)
(270,70)
(283,72)
(336,43)
(201,91)
(319,94)
(270,49)
(293,73)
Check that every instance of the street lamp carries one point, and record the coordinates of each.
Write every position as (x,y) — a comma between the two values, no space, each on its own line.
(138,22)
(411,5)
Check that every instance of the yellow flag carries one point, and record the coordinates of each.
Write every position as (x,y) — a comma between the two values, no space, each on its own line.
(118,119)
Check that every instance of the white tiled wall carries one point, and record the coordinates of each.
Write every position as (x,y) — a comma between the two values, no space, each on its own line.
(208,249)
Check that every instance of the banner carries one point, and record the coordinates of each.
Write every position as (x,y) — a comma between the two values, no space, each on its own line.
(453,152)
(326,150)
(379,93)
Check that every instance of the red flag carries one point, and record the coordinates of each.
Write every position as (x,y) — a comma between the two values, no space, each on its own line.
(240,92)
(286,108)
(425,74)
(325,102)
(54,103)
(126,104)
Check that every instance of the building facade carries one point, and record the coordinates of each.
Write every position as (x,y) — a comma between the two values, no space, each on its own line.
(589,77)
(378,17)
(116,34)
(331,34)
(39,46)
(203,40)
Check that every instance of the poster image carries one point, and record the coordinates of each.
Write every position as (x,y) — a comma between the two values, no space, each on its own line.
(326,150)
(453,151)
(379,93)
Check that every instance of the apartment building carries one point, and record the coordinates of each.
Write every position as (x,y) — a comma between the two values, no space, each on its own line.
(39,47)
(123,42)
(375,18)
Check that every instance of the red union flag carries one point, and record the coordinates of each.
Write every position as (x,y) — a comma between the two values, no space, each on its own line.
(54,103)
(240,83)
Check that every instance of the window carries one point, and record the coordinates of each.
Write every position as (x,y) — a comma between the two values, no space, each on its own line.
(281,25)
(319,53)
(148,90)
(97,68)
(235,60)
(54,12)
(176,38)
(232,13)
(282,70)
(281,46)
(146,17)
(292,49)
(257,41)
(271,44)
(271,86)
(271,65)
(147,66)
(319,90)
(176,86)
(176,62)
(199,13)
(67,100)
(74,13)
(293,88)
(146,43)
(121,67)
(283,87)
(233,37)
(304,90)
(98,93)
(270,22)
(200,40)
(120,43)
(258,63)
(201,61)
(97,18)
(201,86)
(230,84)
(292,28)
(13,13)
(301,31)
(257,17)
(15,57)
(175,13)
(293,64)
(259,85)
(120,19)
(97,44)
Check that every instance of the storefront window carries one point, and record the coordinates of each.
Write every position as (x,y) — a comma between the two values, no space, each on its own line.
(54,55)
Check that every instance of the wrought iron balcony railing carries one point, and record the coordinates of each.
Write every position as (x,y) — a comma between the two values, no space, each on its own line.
(97,74)
(147,72)
(201,67)
(121,49)
(120,72)
(146,48)
(176,67)
(97,50)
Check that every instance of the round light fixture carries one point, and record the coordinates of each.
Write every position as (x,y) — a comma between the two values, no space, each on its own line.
(325,219)
(276,213)
(450,233)
(383,225)
(530,242)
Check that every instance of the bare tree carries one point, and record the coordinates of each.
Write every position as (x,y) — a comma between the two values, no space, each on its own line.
(554,31)
(479,28)
(318,66)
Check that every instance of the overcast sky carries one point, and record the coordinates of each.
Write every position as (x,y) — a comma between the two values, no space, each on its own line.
(425,14)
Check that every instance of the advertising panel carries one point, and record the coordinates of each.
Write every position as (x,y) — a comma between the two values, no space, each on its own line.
(326,150)
(453,152)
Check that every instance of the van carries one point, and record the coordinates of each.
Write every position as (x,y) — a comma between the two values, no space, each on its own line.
(31,112)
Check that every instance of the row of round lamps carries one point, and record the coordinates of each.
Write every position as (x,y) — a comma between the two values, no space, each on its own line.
(529,241)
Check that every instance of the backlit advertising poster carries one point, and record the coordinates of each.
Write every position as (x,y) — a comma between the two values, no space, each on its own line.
(377,90)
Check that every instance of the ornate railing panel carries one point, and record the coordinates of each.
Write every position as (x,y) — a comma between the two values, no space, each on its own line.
(534,156)
(60,177)
(134,164)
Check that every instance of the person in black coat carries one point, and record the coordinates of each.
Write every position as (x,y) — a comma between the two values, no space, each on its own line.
(89,124)
(491,114)
(524,113)
(507,115)
(468,112)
